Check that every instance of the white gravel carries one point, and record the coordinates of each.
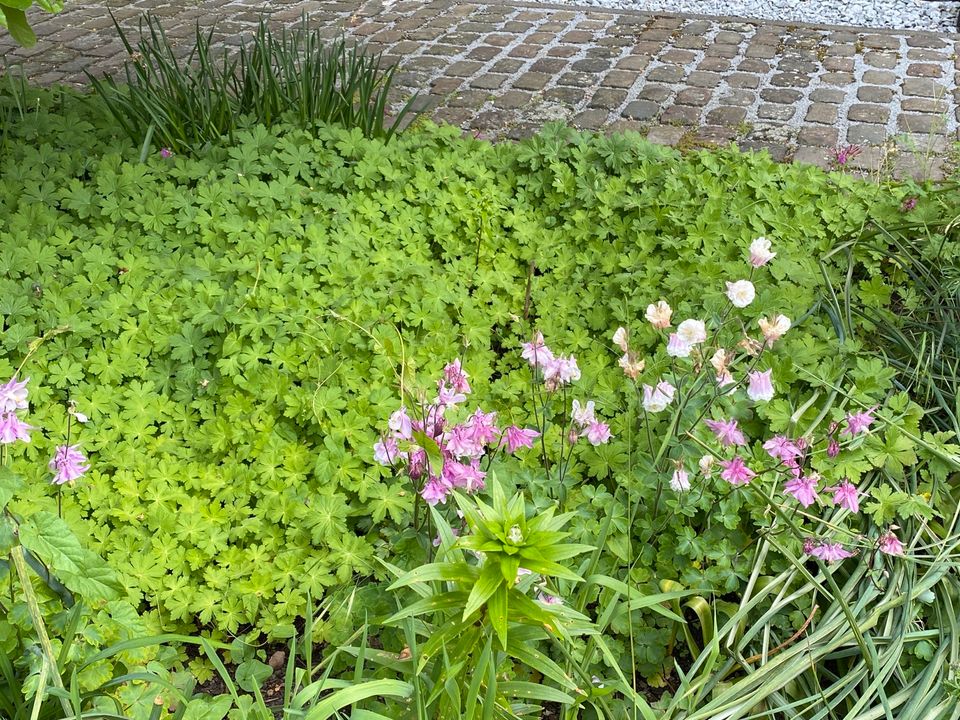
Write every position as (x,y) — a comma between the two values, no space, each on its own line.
(891,14)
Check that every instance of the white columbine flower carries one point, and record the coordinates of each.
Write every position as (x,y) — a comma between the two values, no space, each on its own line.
(676,347)
(656,399)
(692,332)
(741,293)
(583,415)
(680,482)
(620,338)
(760,253)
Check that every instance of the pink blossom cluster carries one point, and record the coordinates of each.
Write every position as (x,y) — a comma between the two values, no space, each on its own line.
(68,463)
(801,482)
(585,424)
(693,340)
(462,445)
(13,399)
(557,370)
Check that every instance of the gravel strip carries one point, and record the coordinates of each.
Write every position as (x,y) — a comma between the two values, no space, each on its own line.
(890,14)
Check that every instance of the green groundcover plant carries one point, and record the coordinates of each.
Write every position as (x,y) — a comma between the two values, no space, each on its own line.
(234,327)
(713,383)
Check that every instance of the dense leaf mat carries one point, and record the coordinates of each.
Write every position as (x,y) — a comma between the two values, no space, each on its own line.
(233,325)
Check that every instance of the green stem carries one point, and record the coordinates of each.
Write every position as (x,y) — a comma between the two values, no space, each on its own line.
(16,555)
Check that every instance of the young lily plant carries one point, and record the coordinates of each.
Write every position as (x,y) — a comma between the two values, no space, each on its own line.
(485,603)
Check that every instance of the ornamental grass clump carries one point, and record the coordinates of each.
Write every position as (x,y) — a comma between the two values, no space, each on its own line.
(184,104)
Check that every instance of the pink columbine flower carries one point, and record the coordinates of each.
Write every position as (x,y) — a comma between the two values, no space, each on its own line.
(858,422)
(448,396)
(727,432)
(692,332)
(166,153)
(468,477)
(741,293)
(68,464)
(780,447)
(483,426)
(659,314)
(803,489)
(401,424)
(13,429)
(760,253)
(676,347)
(516,438)
(536,352)
(680,482)
(846,496)
(657,399)
(13,395)
(833,448)
(456,376)
(386,452)
(463,441)
(560,371)
(760,388)
(890,544)
(843,155)
(548,599)
(435,491)
(417,465)
(736,472)
(598,433)
(908,204)
(828,552)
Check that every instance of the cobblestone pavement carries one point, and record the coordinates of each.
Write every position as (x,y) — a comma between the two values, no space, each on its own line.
(505,68)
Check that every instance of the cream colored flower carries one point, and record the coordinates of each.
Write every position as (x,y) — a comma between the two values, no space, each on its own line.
(659,314)
(774,328)
(631,365)
(719,361)
(741,293)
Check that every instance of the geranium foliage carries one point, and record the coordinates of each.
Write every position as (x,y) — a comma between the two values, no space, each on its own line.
(237,326)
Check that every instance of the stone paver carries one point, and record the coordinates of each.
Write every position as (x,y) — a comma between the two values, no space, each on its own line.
(502,69)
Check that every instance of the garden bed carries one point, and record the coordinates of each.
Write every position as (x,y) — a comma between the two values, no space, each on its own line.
(679,400)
